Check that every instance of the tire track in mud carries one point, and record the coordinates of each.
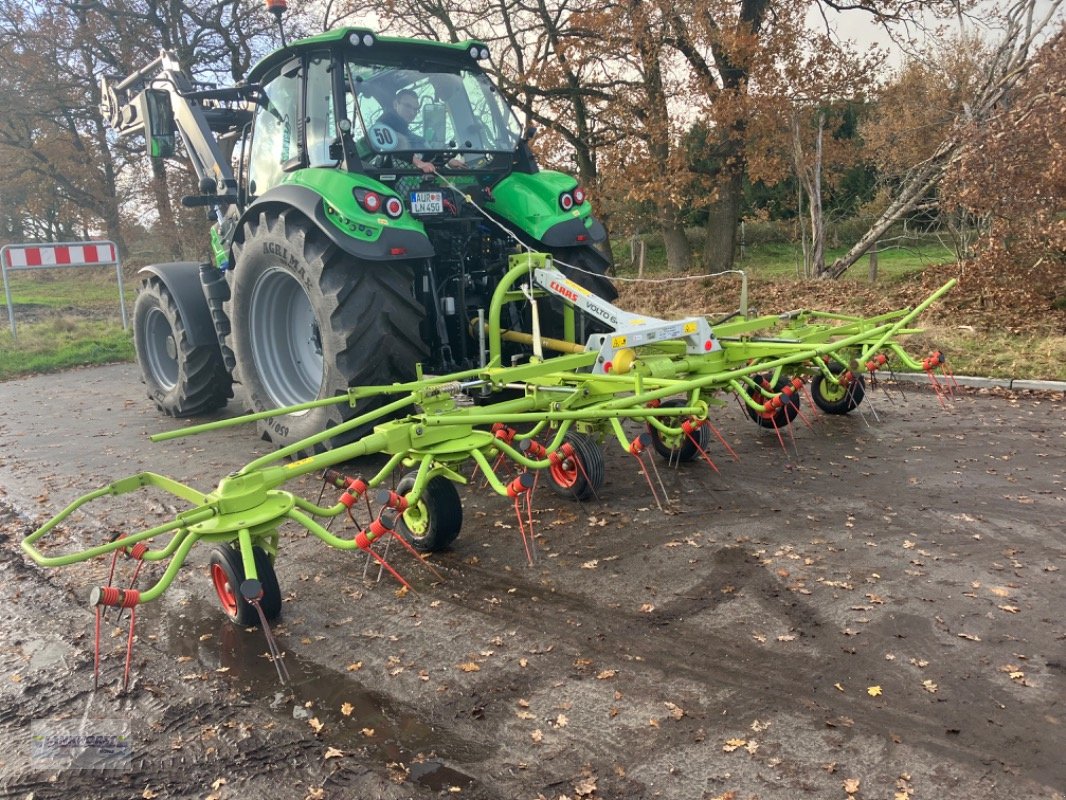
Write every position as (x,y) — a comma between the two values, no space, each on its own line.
(185,735)
(661,642)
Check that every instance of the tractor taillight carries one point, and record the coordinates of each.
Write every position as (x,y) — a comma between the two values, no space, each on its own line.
(566,201)
(393,207)
(371,201)
(579,196)
(276,6)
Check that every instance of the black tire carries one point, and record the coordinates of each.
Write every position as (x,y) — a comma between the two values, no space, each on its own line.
(434,522)
(833,398)
(775,419)
(182,380)
(685,450)
(308,321)
(227,575)
(580,477)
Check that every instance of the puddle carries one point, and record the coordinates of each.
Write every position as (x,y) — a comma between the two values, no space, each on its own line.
(193,628)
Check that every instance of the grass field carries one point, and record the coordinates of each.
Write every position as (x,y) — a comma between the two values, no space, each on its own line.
(70,318)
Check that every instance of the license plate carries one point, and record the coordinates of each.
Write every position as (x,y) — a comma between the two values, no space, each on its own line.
(427,202)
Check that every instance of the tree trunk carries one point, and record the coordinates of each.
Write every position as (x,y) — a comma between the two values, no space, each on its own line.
(720,239)
(678,248)
(169,238)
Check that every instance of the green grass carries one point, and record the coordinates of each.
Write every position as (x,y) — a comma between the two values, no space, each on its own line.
(62,343)
(64,318)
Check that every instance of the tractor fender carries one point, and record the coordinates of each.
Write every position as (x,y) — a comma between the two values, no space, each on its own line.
(572,232)
(182,280)
(310,203)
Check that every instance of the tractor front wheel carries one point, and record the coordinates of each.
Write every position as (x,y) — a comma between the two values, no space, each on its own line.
(182,379)
(227,575)
(433,523)
(309,320)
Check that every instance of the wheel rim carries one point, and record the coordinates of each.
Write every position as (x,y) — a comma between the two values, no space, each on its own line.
(832,392)
(160,349)
(565,473)
(416,518)
(285,339)
(224,589)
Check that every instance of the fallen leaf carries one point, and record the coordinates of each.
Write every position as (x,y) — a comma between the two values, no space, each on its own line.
(838,687)
(851,785)
(929,686)
(606,674)
(561,721)
(333,752)
(218,783)
(970,636)
(537,736)
(1009,609)
(347,709)
(358,665)
(148,794)
(469,666)
(874,691)
(647,608)
(316,726)
(733,744)
(367,732)
(675,711)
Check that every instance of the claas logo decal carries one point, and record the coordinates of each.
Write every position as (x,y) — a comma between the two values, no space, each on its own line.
(565,291)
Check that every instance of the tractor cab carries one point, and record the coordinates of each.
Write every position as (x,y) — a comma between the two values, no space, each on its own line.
(381,107)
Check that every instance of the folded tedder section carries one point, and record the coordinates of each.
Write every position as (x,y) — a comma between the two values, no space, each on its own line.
(548,417)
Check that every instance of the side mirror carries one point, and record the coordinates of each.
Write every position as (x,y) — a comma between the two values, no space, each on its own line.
(157,115)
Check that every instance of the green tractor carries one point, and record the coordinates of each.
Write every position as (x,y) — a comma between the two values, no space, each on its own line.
(366,192)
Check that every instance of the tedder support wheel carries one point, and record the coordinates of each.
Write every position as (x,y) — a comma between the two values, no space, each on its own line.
(309,320)
(182,379)
(685,450)
(581,475)
(227,575)
(773,419)
(835,398)
(433,523)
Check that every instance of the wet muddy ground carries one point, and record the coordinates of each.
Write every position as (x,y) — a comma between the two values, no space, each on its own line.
(877,613)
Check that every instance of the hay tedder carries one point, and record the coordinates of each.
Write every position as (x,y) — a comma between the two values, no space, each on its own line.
(541,417)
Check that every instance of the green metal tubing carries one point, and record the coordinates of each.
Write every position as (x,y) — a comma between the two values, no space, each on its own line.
(320,532)
(181,522)
(591,414)
(490,476)
(501,296)
(245,418)
(244,539)
(171,571)
(330,457)
(907,319)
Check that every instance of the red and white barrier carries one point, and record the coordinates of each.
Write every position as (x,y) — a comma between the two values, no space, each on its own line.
(61,254)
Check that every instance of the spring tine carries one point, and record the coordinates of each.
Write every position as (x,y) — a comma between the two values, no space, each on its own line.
(792,437)
(530,558)
(129,650)
(412,551)
(658,478)
(392,572)
(96,652)
(701,451)
(647,477)
(722,439)
(272,645)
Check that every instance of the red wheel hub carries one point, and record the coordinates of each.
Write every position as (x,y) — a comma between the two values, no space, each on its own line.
(224,590)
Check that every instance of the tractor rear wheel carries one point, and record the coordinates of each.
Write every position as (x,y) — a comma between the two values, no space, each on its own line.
(182,379)
(309,320)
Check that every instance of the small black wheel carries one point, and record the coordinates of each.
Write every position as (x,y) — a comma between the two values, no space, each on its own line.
(780,417)
(683,449)
(836,398)
(227,575)
(581,475)
(434,522)
(182,379)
